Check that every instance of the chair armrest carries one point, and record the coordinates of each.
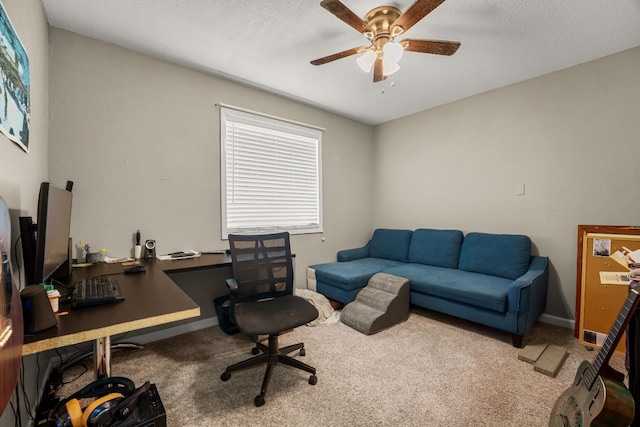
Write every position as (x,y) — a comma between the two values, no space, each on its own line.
(527,297)
(353,254)
(233,286)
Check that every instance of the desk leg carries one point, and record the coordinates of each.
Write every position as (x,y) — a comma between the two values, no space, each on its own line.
(102,357)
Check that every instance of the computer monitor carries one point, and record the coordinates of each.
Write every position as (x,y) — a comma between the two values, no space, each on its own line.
(45,245)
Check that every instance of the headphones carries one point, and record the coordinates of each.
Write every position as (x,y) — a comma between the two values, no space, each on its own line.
(116,398)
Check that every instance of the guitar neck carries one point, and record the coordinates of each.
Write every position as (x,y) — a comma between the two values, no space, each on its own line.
(618,328)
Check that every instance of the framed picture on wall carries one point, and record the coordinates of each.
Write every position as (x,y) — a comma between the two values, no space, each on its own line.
(15,105)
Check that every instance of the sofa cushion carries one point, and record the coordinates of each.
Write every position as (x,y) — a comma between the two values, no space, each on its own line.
(475,289)
(436,247)
(390,244)
(353,274)
(502,255)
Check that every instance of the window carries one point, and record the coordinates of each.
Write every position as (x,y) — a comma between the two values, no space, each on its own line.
(270,174)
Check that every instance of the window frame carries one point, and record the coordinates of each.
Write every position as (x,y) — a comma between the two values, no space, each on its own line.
(234,115)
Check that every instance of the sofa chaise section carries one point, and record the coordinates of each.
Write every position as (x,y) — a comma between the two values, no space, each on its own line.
(343,280)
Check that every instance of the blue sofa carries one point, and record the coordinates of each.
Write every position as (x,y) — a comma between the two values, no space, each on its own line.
(490,279)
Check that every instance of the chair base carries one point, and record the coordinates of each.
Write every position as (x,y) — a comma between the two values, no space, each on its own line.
(271,356)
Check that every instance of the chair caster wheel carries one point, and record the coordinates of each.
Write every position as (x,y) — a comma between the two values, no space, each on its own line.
(258,401)
(225,376)
(302,352)
(255,351)
(313,380)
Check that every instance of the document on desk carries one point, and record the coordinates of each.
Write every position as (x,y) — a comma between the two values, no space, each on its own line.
(110,260)
(179,255)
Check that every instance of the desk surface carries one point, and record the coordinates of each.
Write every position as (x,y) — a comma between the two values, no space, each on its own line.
(152,299)
(190,264)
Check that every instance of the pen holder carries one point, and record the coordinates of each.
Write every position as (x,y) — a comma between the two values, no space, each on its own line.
(54,299)
(93,257)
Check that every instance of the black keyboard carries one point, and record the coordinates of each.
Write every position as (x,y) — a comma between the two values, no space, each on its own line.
(95,291)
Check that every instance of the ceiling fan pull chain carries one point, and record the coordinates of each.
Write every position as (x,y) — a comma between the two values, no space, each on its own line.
(392,84)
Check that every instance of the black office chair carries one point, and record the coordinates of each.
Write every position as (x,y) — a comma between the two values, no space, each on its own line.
(262,302)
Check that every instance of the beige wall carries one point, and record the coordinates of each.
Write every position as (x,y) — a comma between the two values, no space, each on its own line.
(140,139)
(20,172)
(571,137)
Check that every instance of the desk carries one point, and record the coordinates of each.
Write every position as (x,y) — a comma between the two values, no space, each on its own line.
(192,264)
(152,299)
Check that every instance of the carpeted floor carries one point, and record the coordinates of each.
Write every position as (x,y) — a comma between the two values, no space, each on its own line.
(432,370)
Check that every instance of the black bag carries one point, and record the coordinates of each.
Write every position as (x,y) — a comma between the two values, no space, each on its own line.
(223,311)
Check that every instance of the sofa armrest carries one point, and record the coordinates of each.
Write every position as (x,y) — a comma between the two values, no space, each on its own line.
(527,296)
(353,254)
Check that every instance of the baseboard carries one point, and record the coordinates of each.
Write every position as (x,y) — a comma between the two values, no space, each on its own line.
(558,321)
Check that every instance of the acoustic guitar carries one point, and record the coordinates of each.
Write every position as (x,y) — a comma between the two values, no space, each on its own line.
(597,397)
(11,326)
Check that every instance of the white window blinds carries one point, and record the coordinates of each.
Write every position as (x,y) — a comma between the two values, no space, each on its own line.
(270,174)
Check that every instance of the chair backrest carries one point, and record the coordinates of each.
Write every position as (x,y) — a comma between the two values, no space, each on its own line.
(262,265)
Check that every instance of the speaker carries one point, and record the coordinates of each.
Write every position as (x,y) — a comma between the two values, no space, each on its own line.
(36,309)
(150,249)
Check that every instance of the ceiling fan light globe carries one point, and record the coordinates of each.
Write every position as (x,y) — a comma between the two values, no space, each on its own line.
(393,51)
(365,62)
(389,67)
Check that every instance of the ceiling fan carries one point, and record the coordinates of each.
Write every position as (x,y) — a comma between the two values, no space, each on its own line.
(381,26)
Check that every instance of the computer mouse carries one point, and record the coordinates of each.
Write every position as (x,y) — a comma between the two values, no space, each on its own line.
(135,269)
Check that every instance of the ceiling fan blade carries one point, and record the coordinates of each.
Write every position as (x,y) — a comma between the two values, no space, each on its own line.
(437,47)
(378,74)
(415,13)
(345,14)
(338,55)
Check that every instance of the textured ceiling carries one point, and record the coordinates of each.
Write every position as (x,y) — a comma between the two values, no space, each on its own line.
(269,43)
